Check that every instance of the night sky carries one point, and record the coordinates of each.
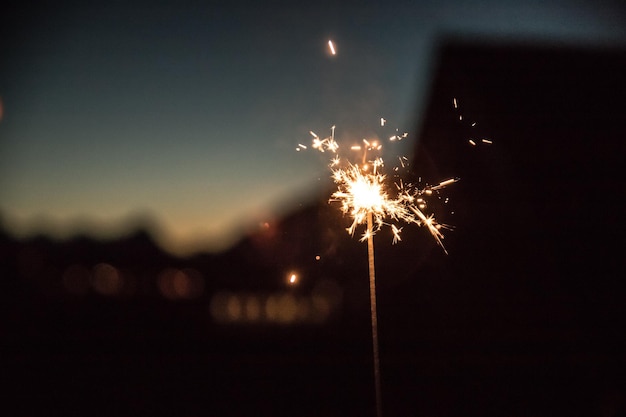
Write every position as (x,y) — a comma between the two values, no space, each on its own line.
(186,115)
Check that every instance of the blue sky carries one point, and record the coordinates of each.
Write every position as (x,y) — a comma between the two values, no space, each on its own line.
(190,114)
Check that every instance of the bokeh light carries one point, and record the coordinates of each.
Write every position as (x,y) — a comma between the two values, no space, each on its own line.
(281,308)
(177,284)
(107,280)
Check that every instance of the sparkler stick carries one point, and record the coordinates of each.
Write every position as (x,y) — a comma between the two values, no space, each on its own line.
(372,273)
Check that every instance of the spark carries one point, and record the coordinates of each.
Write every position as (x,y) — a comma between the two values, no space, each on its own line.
(396,233)
(445,183)
(398,137)
(473,124)
(332,47)
(363,189)
(326,144)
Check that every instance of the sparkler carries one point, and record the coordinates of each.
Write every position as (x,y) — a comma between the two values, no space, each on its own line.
(365,194)
(370,198)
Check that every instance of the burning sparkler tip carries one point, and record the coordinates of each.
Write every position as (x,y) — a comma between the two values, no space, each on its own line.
(364,195)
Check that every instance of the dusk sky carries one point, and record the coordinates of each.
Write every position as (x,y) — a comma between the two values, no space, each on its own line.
(190,115)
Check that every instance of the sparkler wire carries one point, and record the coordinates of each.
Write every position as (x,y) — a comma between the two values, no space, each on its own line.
(372,273)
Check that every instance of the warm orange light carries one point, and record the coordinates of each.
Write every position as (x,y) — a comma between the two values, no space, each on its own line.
(275,309)
(176,284)
(106,279)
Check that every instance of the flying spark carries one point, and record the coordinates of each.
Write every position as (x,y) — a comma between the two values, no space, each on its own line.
(332,47)
(471,125)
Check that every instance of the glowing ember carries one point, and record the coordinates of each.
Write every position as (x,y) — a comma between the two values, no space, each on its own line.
(332,47)
(472,125)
